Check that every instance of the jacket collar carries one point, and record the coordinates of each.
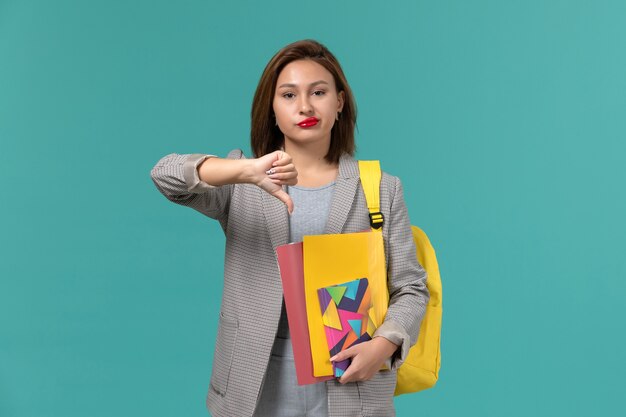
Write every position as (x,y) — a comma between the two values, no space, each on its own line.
(345,192)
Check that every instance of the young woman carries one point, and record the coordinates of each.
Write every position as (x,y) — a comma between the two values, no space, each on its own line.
(302,180)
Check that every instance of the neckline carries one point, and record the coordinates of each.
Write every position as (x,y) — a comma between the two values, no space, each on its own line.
(321,187)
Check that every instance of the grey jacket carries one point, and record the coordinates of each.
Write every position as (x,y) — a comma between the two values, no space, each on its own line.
(255,223)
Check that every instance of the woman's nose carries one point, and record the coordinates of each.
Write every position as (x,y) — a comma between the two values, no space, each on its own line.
(305,105)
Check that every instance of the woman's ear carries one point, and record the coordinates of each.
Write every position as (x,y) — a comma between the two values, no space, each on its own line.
(340,100)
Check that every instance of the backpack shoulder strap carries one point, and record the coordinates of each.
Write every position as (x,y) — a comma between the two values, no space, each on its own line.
(370,174)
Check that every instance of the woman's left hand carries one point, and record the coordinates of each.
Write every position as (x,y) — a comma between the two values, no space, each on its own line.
(367,359)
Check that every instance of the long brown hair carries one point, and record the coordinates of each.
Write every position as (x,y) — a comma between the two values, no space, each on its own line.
(265,136)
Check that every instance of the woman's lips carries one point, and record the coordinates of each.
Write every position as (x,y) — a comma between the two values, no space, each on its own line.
(310,122)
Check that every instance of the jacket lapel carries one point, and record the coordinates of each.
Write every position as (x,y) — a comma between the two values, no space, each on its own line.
(344,195)
(276,218)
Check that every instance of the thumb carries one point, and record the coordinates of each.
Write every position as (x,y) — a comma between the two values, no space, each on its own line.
(285,198)
(345,354)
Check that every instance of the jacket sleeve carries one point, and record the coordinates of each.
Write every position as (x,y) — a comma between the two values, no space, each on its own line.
(176,177)
(408,295)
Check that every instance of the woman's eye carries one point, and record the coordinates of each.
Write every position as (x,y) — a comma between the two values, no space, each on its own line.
(289,95)
(319,92)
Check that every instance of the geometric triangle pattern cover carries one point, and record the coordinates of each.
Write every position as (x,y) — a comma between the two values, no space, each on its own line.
(346,316)
(331,317)
(336,292)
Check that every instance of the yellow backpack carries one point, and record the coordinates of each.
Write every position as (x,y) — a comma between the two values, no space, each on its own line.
(420,370)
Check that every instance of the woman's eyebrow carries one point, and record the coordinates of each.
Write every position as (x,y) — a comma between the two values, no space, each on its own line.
(313,84)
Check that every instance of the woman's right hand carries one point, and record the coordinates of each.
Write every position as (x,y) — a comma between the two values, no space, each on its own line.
(274,170)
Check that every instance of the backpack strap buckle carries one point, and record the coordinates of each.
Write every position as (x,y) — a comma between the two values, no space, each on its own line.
(376,220)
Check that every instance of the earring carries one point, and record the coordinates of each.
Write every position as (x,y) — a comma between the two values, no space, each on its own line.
(338,115)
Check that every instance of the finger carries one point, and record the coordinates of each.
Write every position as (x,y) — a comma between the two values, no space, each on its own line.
(283,168)
(347,376)
(283,159)
(284,182)
(283,175)
(343,355)
(289,169)
(285,198)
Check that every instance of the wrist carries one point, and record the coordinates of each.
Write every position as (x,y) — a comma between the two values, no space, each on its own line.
(249,172)
(386,345)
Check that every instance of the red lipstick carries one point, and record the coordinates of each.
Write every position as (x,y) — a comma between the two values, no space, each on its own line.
(310,122)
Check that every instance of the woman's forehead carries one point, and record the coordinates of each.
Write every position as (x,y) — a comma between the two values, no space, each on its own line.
(303,72)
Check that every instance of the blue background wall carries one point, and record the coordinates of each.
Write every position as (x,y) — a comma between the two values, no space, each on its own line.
(511,121)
